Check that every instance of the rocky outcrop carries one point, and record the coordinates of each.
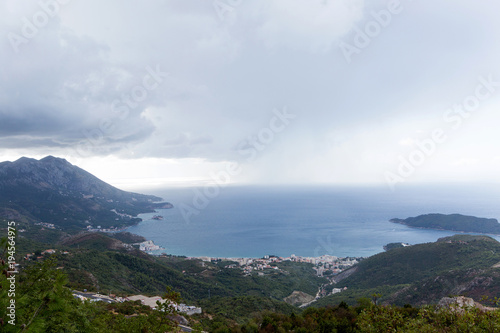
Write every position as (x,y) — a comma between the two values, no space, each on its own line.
(345,274)
(298,298)
(461,303)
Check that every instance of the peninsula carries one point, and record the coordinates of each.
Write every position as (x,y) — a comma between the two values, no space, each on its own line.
(452,222)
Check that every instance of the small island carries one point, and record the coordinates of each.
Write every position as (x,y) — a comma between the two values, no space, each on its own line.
(452,222)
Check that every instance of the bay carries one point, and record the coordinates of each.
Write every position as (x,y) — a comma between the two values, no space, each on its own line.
(253,221)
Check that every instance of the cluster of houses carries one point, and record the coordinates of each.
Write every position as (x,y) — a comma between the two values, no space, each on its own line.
(91,228)
(324,265)
(148,246)
(151,302)
(323,291)
(46,225)
(33,256)
(331,265)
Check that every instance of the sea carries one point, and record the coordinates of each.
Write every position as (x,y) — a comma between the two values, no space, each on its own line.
(310,221)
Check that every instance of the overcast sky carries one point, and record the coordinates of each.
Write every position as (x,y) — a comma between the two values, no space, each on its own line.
(275,91)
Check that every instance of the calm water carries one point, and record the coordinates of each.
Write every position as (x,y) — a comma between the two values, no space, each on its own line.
(307,221)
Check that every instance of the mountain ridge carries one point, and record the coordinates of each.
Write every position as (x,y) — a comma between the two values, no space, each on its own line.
(51,172)
(52,190)
(424,273)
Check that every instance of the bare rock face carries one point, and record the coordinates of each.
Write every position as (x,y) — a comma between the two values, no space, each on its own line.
(181,320)
(460,303)
(298,298)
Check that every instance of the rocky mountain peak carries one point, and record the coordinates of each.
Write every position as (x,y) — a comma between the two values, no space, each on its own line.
(52,189)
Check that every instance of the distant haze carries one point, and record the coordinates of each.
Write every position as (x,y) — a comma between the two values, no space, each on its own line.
(262,91)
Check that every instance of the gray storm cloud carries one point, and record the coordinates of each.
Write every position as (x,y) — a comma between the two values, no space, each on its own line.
(199,79)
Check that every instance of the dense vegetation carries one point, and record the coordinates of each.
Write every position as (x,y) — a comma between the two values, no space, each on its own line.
(45,304)
(233,302)
(98,262)
(375,297)
(133,272)
(241,309)
(453,222)
(392,246)
(424,273)
(366,317)
(410,264)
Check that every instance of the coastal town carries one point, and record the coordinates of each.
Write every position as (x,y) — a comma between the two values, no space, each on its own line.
(98,228)
(148,246)
(324,266)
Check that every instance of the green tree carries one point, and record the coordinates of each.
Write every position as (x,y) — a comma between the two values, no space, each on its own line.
(36,299)
(45,304)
